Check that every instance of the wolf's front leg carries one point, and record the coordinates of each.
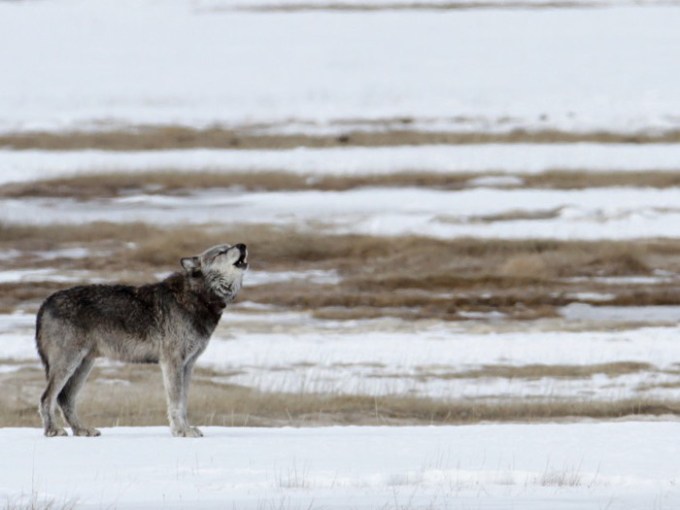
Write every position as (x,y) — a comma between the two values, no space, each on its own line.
(175,391)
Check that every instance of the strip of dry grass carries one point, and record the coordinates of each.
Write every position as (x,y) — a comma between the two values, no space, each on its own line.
(135,397)
(286,248)
(408,276)
(170,182)
(539,371)
(162,137)
(83,187)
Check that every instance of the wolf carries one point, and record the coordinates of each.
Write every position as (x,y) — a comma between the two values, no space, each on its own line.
(169,323)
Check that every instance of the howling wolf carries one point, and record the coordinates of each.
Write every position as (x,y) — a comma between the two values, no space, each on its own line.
(169,323)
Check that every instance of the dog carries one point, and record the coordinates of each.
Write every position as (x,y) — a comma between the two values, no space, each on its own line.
(169,322)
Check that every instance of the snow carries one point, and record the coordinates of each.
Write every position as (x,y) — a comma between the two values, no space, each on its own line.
(121,64)
(423,360)
(630,314)
(589,214)
(292,352)
(500,4)
(317,276)
(626,280)
(619,466)
(511,158)
(47,275)
(128,62)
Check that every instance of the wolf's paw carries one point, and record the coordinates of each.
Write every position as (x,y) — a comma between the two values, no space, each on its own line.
(85,432)
(55,432)
(187,432)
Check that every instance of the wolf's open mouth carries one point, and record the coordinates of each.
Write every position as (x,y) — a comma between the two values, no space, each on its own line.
(242,262)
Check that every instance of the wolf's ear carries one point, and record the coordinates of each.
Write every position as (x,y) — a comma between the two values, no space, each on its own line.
(191,264)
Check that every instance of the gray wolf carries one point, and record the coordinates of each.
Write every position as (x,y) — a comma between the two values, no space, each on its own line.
(169,322)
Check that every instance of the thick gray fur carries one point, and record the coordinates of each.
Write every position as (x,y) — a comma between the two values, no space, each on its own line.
(169,322)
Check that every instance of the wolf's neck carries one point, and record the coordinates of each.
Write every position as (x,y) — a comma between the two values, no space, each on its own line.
(195,292)
(219,287)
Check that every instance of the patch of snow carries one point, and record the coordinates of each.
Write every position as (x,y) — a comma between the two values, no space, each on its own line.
(47,275)
(9,254)
(558,466)
(66,253)
(495,181)
(644,314)
(256,277)
(8,369)
(517,159)
(314,276)
(591,296)
(625,280)
(493,315)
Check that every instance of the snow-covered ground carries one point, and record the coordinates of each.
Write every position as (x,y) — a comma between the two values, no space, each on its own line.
(77,63)
(519,159)
(616,466)
(595,213)
(117,64)
(414,4)
(294,353)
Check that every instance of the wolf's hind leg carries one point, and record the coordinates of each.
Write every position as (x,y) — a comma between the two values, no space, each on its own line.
(68,398)
(58,376)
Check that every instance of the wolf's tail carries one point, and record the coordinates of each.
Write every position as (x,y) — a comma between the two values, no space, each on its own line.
(39,339)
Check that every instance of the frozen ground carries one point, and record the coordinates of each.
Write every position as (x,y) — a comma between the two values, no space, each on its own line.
(615,466)
(178,63)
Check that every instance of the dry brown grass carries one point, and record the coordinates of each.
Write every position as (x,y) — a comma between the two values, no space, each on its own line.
(134,397)
(569,179)
(157,137)
(410,277)
(113,184)
(14,296)
(513,215)
(539,371)
(526,266)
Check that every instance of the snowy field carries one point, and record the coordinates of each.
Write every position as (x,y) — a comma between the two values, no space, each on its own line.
(617,466)
(505,159)
(294,353)
(482,212)
(178,63)
(589,89)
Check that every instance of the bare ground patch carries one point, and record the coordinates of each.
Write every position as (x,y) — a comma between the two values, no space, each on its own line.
(162,137)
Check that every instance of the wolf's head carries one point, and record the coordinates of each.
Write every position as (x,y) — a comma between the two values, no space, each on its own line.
(220,267)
